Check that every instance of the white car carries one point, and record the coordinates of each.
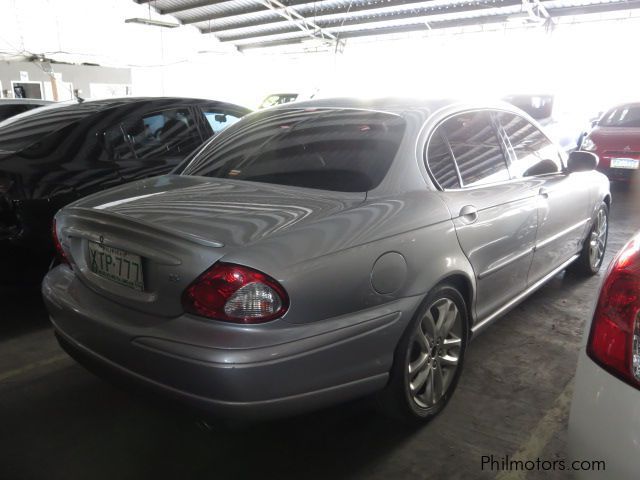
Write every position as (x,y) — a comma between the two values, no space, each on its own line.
(605,414)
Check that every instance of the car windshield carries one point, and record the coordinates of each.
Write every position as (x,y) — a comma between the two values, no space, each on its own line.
(624,116)
(329,149)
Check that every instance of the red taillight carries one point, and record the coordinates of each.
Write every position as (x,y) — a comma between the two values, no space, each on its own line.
(234,293)
(614,339)
(60,253)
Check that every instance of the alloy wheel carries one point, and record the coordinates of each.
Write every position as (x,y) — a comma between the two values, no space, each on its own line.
(434,353)
(598,240)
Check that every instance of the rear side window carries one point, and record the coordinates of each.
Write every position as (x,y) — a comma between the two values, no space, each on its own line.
(328,149)
(166,132)
(535,154)
(476,148)
(441,163)
(7,111)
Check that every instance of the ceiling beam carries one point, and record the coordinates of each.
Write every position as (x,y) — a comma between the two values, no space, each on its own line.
(258,7)
(374,17)
(597,8)
(416,27)
(308,26)
(323,12)
(190,6)
(421,26)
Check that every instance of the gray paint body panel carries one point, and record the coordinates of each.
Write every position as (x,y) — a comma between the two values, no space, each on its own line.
(338,337)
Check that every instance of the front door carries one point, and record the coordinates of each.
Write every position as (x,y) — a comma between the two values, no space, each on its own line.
(562,199)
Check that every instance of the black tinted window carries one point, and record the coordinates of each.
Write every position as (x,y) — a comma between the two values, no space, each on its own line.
(168,132)
(441,162)
(476,148)
(7,111)
(535,154)
(219,120)
(340,150)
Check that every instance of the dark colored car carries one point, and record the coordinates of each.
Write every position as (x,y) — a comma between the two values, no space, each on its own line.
(57,154)
(616,140)
(11,107)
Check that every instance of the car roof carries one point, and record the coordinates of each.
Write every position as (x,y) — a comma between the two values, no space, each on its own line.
(399,105)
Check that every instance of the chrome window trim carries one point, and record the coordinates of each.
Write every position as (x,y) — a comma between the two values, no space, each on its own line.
(492,111)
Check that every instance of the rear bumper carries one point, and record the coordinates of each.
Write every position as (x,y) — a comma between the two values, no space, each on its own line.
(604,423)
(278,369)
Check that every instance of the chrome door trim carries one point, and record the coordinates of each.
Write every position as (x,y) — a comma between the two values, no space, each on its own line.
(505,263)
(553,238)
(512,303)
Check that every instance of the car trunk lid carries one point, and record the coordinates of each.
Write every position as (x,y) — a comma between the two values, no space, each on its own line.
(180,226)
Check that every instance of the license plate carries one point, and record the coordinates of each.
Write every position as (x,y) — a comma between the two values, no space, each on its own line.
(117,265)
(629,163)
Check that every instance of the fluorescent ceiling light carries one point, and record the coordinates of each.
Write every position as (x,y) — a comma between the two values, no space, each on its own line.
(154,23)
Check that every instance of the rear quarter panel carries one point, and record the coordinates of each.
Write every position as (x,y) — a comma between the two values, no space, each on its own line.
(326,267)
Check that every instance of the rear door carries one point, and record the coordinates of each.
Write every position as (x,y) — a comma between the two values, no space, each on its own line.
(495,217)
(562,198)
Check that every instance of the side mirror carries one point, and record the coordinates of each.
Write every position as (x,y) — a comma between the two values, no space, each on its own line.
(580,161)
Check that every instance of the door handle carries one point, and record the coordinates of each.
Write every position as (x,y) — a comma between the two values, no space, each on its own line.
(543,192)
(469,213)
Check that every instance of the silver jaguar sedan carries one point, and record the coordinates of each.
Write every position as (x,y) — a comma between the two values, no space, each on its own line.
(322,251)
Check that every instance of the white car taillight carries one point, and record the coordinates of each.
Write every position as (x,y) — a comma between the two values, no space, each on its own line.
(235,293)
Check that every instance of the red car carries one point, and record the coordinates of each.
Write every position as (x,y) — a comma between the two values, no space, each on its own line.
(616,140)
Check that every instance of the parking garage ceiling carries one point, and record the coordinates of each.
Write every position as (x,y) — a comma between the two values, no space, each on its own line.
(264,23)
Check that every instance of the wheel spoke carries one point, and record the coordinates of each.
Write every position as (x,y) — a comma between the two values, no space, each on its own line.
(428,326)
(446,318)
(423,342)
(447,360)
(452,342)
(416,366)
(420,380)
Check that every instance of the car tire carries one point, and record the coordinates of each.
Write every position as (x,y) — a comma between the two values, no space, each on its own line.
(595,245)
(423,377)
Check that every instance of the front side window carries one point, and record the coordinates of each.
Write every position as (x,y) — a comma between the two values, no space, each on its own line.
(535,154)
(164,133)
(219,120)
(476,148)
(328,149)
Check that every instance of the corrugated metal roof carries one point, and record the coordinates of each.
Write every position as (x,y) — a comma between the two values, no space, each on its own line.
(257,23)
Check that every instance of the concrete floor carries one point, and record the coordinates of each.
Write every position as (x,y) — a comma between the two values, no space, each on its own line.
(59,421)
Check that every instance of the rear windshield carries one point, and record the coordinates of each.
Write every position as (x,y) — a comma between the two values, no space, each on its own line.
(625,116)
(328,149)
